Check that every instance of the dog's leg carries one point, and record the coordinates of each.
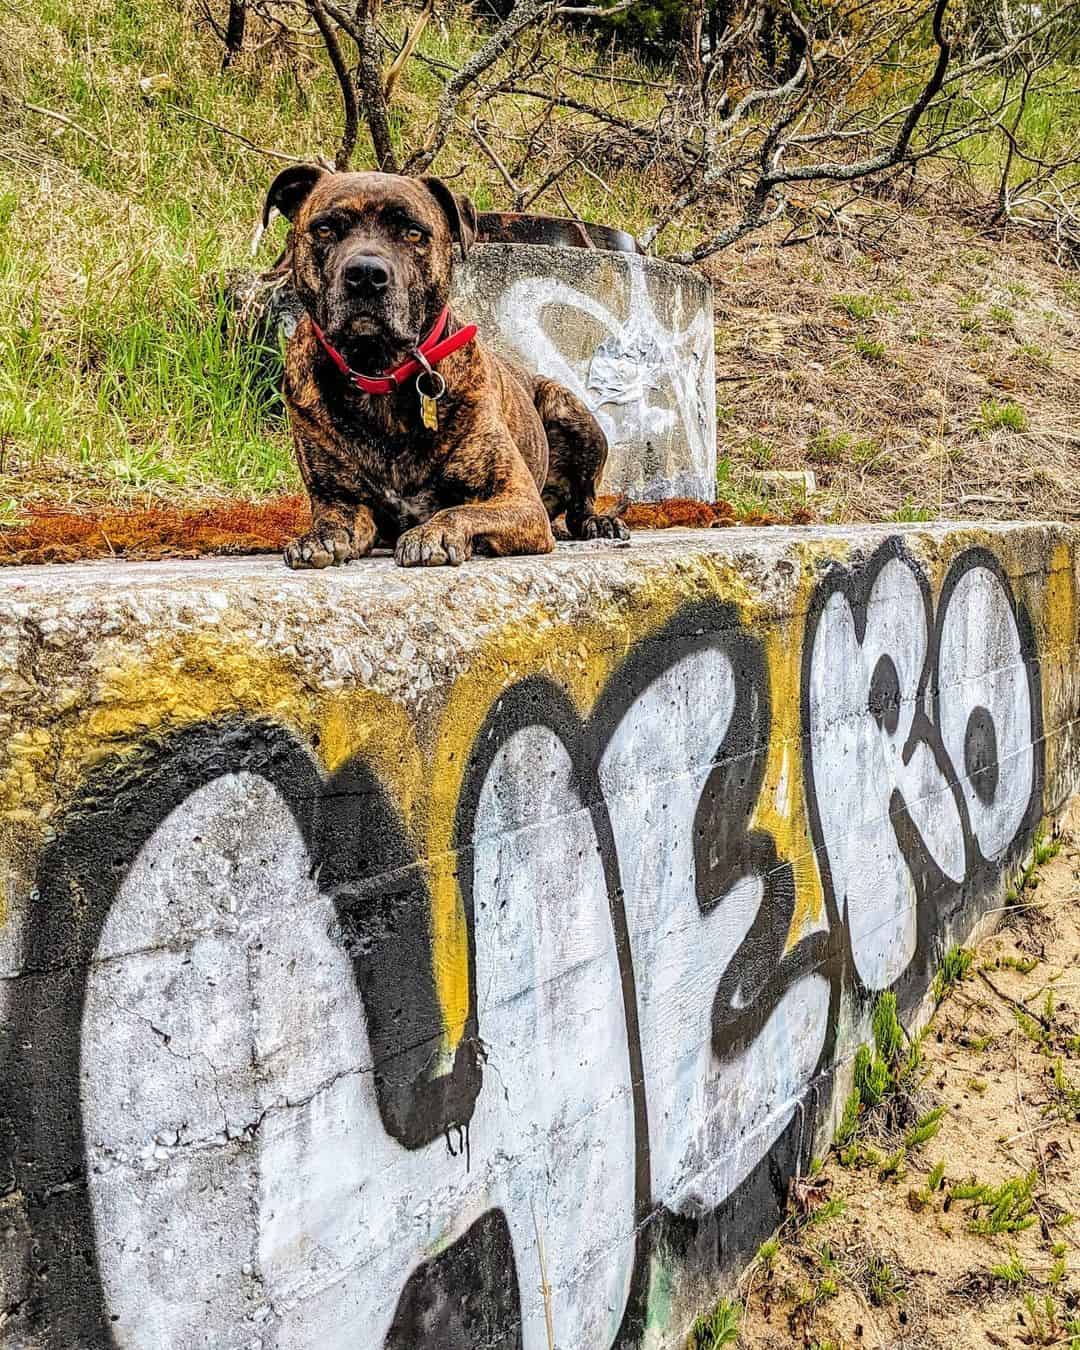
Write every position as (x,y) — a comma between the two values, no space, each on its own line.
(577,453)
(338,534)
(505,525)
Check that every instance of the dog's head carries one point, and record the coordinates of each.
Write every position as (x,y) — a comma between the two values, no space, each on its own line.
(372,255)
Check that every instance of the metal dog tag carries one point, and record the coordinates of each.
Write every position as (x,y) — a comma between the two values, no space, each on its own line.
(429,403)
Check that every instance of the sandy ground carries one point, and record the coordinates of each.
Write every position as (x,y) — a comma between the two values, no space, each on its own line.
(884,1261)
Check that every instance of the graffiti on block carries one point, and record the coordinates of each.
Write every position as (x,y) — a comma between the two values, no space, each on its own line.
(242,1112)
(646,379)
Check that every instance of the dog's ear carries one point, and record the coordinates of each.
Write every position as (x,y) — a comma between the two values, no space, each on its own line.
(458,210)
(290,190)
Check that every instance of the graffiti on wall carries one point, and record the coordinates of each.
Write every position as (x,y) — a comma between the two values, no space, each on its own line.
(238,1102)
(650,377)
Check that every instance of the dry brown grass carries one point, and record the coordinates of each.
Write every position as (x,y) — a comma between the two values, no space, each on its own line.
(885,404)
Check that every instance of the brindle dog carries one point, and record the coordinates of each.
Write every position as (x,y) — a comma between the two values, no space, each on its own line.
(481,470)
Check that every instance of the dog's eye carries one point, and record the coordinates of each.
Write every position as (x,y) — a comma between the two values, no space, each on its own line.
(414,236)
(323,233)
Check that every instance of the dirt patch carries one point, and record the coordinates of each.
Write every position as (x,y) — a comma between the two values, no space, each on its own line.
(918,368)
(967,1239)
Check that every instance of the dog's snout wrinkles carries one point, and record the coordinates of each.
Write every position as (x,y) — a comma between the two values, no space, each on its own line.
(366,275)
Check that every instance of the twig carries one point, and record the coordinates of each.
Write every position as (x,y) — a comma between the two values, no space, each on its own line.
(344,79)
(1007,998)
(236,136)
(545,1288)
(66,121)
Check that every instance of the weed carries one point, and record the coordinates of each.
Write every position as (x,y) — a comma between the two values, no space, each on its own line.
(867,452)
(978,1085)
(833,1208)
(1012,1271)
(1063,1098)
(955,967)
(924,1128)
(894,1166)
(1002,314)
(768,1252)
(828,447)
(849,1119)
(1033,1030)
(759,452)
(996,416)
(908,512)
(883,1284)
(1056,1273)
(856,306)
(1044,847)
(1042,1320)
(718,1328)
(998,1209)
(1038,356)
(936,1179)
(870,349)
(1023,965)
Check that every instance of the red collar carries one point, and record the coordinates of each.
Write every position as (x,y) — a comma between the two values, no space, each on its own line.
(431,349)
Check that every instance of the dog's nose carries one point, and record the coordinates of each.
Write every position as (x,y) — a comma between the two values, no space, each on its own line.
(366,274)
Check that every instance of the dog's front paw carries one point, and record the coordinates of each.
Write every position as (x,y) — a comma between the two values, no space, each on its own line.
(325,547)
(600,527)
(436,544)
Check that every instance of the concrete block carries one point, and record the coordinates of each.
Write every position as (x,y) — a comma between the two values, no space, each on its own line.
(631,336)
(379,946)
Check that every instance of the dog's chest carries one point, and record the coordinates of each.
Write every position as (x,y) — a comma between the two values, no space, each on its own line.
(406,510)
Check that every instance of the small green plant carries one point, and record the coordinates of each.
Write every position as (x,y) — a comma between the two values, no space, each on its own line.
(1064,1097)
(894,1166)
(936,1179)
(955,967)
(998,1209)
(870,349)
(1042,1320)
(1012,1271)
(1023,965)
(833,1208)
(1002,314)
(1056,1273)
(1032,1029)
(856,306)
(718,1328)
(1044,847)
(1038,356)
(759,452)
(849,1120)
(883,1284)
(768,1252)
(828,447)
(998,416)
(910,513)
(924,1128)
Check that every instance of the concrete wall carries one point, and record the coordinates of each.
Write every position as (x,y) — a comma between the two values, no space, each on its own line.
(631,336)
(377,947)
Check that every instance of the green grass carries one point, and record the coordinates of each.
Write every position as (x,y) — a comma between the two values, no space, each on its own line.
(998,1209)
(997,416)
(114,360)
(869,348)
(717,1328)
(909,512)
(955,967)
(856,306)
